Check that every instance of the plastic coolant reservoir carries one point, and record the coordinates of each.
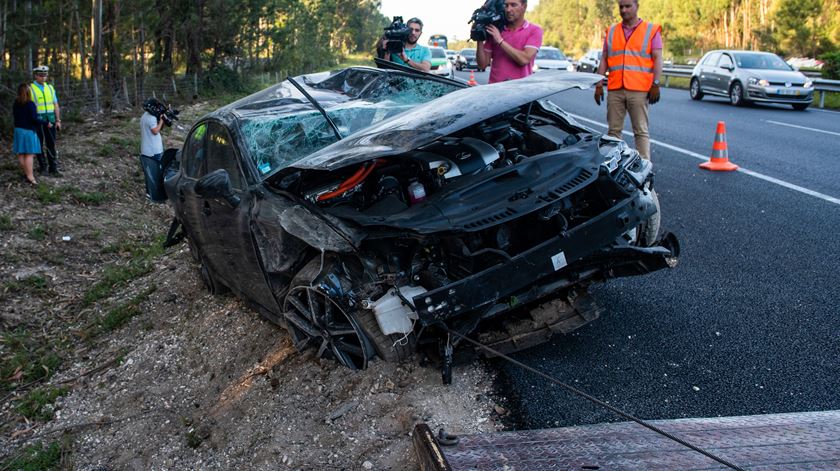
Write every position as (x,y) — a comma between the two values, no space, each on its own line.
(393,316)
(416,192)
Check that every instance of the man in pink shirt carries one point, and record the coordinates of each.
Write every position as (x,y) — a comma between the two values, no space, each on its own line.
(510,53)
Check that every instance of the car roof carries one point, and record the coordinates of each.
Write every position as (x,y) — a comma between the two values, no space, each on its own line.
(742,50)
(437,47)
(468,49)
(549,47)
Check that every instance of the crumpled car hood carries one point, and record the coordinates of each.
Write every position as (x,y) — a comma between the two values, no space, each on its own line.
(441,117)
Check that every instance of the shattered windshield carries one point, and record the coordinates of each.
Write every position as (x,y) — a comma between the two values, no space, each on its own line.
(276,138)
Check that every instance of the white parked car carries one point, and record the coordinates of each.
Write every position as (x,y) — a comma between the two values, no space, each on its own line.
(551,58)
(452,56)
(440,63)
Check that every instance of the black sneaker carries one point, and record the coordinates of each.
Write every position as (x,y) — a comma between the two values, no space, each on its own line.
(56,174)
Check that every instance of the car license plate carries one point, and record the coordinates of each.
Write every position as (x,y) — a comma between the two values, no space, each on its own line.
(784,91)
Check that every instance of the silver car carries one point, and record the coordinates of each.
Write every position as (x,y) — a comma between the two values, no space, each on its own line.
(750,76)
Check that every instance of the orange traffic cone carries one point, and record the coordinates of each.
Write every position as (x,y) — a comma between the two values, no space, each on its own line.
(471,82)
(719,161)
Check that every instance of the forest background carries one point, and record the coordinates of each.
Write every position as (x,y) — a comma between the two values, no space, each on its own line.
(108,54)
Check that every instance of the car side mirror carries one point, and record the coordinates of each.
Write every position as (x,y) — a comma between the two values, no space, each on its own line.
(216,184)
(728,67)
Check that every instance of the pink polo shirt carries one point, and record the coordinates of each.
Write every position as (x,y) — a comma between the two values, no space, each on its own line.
(503,67)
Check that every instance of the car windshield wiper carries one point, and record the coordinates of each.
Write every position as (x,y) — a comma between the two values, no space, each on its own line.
(317,106)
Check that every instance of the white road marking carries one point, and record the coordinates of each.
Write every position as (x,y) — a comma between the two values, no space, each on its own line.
(802,127)
(760,176)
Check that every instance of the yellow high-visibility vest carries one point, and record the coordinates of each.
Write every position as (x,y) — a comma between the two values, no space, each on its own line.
(44,100)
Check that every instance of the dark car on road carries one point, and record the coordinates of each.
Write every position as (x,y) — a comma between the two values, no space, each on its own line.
(367,211)
(750,76)
(466,59)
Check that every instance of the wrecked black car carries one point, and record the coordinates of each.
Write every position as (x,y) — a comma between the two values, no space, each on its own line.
(367,211)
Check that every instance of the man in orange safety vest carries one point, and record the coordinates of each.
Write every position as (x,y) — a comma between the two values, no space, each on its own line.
(633,57)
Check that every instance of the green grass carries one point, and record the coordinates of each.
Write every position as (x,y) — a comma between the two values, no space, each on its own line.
(116,276)
(93,198)
(35,457)
(107,150)
(27,357)
(48,194)
(33,284)
(120,315)
(39,232)
(5,222)
(355,59)
(38,403)
(124,142)
(54,194)
(832,100)
(678,82)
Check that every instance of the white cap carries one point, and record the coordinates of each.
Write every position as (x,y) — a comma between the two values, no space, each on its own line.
(41,68)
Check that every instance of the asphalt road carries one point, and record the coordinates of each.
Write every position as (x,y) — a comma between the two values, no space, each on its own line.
(748,323)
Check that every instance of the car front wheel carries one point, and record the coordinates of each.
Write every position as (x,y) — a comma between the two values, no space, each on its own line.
(694,90)
(736,94)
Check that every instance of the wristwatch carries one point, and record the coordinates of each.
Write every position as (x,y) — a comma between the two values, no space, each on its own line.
(656,82)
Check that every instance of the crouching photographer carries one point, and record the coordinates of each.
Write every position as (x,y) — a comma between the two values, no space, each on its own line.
(399,45)
(155,116)
(506,41)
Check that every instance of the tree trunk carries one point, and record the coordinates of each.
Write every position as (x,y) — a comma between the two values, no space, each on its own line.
(96,18)
(195,34)
(80,37)
(3,15)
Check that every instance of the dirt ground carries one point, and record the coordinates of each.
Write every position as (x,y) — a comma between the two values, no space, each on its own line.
(114,356)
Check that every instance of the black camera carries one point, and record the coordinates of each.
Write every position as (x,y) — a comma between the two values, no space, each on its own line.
(491,13)
(396,34)
(159,110)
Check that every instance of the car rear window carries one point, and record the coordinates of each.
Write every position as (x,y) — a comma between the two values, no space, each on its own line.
(438,53)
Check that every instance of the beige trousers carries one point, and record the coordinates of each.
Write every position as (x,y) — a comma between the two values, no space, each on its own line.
(619,104)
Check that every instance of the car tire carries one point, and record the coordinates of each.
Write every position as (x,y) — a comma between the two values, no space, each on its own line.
(736,94)
(648,231)
(314,317)
(694,89)
(800,106)
(394,348)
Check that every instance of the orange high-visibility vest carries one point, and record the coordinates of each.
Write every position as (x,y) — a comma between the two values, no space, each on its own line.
(630,61)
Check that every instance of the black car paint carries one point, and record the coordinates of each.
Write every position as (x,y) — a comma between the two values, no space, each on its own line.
(256,246)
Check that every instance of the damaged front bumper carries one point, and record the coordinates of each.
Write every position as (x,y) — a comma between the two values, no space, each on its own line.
(562,261)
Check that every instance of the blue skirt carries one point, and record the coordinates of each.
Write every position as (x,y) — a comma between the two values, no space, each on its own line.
(26,142)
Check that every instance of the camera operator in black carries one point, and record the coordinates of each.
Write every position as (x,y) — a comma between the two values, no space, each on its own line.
(512,50)
(416,56)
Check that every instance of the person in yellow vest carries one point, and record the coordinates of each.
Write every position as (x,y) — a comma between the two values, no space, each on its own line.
(46,102)
(633,57)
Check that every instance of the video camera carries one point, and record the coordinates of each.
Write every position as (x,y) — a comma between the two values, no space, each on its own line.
(396,34)
(159,110)
(491,13)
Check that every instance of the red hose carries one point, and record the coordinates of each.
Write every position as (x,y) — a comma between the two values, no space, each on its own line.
(351,182)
